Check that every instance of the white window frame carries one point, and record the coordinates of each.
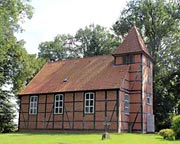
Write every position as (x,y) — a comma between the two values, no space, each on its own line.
(126,103)
(33,105)
(89,103)
(148,99)
(58,103)
(148,63)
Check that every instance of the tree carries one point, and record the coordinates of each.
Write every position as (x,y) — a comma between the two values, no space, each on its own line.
(12,57)
(23,67)
(95,40)
(91,41)
(7,113)
(158,22)
(61,48)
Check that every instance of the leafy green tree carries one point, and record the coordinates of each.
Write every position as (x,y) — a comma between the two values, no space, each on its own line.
(12,57)
(7,112)
(91,41)
(158,22)
(61,48)
(24,66)
(95,40)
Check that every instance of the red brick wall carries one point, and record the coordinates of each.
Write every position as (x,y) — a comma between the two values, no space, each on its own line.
(134,91)
(73,117)
(137,87)
(147,89)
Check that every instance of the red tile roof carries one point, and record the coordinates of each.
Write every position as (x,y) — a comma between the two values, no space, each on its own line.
(132,43)
(92,73)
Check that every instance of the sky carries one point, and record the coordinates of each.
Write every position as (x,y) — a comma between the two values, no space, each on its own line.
(53,17)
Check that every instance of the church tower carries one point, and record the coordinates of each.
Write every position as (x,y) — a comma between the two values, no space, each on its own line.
(134,53)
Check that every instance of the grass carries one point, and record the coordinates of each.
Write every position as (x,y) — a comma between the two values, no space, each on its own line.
(49,138)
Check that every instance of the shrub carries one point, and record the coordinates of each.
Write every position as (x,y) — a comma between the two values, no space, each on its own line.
(175,125)
(167,134)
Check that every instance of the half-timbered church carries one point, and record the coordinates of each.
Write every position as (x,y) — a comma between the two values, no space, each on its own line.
(111,92)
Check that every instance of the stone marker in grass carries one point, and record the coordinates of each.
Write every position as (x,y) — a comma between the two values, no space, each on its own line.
(105,135)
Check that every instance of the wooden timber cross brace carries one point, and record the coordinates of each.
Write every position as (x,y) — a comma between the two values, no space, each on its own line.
(44,121)
(49,116)
(70,125)
(108,123)
(24,120)
(132,125)
(113,111)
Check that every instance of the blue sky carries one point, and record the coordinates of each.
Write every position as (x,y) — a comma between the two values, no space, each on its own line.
(52,17)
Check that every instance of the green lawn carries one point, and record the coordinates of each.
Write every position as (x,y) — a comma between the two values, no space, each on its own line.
(47,138)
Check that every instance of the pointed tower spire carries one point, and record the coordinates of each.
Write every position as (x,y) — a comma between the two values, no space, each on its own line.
(132,43)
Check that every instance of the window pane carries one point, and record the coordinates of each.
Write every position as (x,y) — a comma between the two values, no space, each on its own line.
(148,62)
(126,110)
(61,97)
(148,99)
(126,97)
(35,111)
(56,104)
(91,109)
(132,59)
(91,103)
(57,98)
(126,104)
(86,109)
(32,98)
(87,96)
(87,103)
(92,96)
(124,59)
(60,104)
(60,110)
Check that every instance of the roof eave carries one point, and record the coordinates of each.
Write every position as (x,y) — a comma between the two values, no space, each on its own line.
(43,93)
(138,52)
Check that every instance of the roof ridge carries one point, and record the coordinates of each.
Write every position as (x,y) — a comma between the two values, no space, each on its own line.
(138,36)
(141,41)
(75,59)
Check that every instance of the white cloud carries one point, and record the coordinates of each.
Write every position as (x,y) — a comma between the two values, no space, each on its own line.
(52,17)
